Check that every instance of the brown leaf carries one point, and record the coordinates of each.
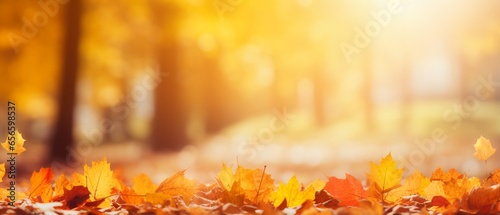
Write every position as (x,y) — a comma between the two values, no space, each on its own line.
(75,196)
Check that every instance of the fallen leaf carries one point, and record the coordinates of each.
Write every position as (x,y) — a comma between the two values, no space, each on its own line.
(99,181)
(435,188)
(78,179)
(142,184)
(483,149)
(440,175)
(2,171)
(61,183)
(454,183)
(494,177)
(483,196)
(439,201)
(383,178)
(253,185)
(175,185)
(18,147)
(348,191)
(76,196)
(41,185)
(323,199)
(292,193)
(415,184)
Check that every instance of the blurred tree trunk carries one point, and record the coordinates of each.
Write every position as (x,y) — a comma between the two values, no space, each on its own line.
(171,115)
(63,130)
(216,113)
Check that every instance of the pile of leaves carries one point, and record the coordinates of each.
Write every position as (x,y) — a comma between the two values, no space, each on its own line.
(99,190)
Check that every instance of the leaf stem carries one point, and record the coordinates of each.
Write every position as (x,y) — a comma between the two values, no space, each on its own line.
(260,184)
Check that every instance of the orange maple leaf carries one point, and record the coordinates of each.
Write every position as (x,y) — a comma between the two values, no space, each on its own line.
(384,177)
(41,185)
(99,180)
(142,185)
(292,193)
(494,177)
(2,171)
(483,149)
(483,196)
(18,146)
(175,185)
(348,191)
(61,183)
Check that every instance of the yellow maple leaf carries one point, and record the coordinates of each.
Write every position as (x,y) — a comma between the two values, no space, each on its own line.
(18,146)
(226,177)
(318,184)
(435,188)
(2,171)
(415,184)
(385,176)
(292,193)
(175,185)
(41,185)
(99,180)
(483,149)
(246,185)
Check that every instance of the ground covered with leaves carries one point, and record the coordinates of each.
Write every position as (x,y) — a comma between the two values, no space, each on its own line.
(99,190)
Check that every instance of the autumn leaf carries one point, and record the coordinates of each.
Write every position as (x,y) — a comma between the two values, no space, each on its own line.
(62,183)
(175,185)
(235,195)
(348,191)
(142,185)
(454,183)
(435,188)
(384,177)
(292,193)
(415,184)
(2,171)
(41,185)
(482,196)
(78,179)
(252,185)
(494,177)
(440,175)
(226,177)
(99,181)
(76,196)
(483,149)
(18,147)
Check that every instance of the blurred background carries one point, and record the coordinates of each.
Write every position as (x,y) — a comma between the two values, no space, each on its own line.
(312,87)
